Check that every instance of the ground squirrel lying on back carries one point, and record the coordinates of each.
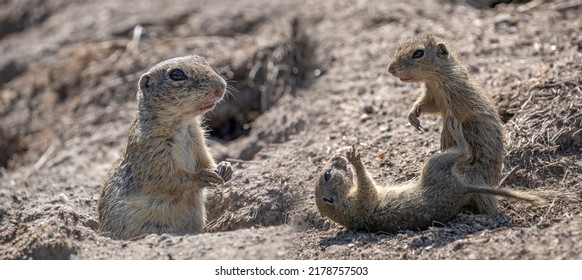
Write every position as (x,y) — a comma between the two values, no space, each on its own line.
(448,90)
(436,196)
(158,183)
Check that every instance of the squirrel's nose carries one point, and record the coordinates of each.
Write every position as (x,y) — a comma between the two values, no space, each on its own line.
(220,82)
(391,69)
(220,86)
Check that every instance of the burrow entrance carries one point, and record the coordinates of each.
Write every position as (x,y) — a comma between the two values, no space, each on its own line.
(256,85)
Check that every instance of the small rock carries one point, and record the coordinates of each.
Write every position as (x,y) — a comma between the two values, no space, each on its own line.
(63,198)
(364,117)
(503,18)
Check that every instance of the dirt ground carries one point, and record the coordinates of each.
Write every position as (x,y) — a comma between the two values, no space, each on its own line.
(306,79)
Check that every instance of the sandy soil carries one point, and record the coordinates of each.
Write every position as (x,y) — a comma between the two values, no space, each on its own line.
(307,79)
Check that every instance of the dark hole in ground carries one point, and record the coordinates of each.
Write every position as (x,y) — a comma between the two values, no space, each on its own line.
(258,84)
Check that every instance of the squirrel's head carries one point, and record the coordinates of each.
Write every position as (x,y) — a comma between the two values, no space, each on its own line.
(180,87)
(334,183)
(420,60)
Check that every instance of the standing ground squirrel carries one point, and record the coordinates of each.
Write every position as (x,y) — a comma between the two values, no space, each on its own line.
(449,91)
(436,196)
(158,183)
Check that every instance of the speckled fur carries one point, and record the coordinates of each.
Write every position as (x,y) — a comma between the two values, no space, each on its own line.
(356,202)
(158,183)
(448,90)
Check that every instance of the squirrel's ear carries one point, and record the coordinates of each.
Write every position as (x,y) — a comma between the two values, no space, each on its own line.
(144,82)
(443,48)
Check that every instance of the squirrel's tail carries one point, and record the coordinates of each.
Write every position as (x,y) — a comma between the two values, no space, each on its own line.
(538,197)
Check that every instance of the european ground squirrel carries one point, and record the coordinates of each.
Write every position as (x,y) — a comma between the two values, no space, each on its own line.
(158,183)
(355,201)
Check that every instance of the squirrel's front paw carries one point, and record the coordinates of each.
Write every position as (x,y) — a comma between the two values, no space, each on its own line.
(353,155)
(224,169)
(210,177)
(413,118)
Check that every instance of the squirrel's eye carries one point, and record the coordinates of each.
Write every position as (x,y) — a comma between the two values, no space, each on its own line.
(418,53)
(327,175)
(327,199)
(177,75)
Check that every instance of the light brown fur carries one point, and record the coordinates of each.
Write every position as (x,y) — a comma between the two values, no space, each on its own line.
(438,195)
(158,183)
(448,90)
